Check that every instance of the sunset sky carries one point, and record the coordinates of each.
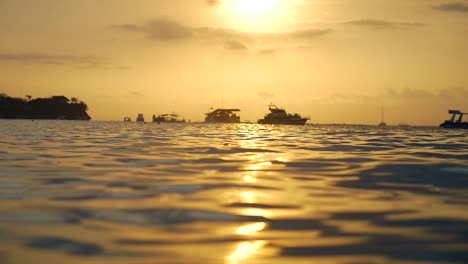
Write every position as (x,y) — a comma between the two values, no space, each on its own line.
(336,61)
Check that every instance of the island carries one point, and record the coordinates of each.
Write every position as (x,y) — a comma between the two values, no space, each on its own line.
(55,107)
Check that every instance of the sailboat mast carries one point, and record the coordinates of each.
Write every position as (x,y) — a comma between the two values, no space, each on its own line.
(382,114)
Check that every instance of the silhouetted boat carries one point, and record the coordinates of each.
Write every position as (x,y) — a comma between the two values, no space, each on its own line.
(168,118)
(127,119)
(454,122)
(140,118)
(223,116)
(278,116)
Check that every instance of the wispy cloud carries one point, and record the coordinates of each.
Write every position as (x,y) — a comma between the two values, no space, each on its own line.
(267,51)
(452,7)
(235,45)
(42,58)
(159,29)
(383,24)
(164,29)
(130,27)
(308,33)
(406,94)
(79,62)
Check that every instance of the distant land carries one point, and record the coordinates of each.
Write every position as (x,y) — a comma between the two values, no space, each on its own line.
(55,107)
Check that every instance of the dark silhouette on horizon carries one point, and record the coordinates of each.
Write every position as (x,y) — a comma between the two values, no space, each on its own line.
(455,122)
(279,116)
(55,107)
(168,118)
(223,116)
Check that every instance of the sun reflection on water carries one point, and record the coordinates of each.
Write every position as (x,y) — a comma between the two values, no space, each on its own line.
(247,197)
(247,249)
(250,229)
(249,178)
(244,251)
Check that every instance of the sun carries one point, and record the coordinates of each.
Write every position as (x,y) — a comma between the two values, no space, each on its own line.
(255,15)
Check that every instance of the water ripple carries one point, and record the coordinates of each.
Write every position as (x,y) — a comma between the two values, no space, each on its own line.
(112,192)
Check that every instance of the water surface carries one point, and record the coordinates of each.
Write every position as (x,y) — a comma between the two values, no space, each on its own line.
(111,192)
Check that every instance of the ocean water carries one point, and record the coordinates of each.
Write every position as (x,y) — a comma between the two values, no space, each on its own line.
(112,192)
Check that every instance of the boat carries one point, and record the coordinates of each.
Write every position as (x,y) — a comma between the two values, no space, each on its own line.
(382,123)
(223,116)
(168,118)
(455,122)
(140,118)
(278,116)
(127,119)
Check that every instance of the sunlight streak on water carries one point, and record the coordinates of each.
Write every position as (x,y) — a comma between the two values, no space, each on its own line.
(245,250)
(250,228)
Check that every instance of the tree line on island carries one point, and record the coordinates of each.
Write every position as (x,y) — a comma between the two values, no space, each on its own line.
(55,107)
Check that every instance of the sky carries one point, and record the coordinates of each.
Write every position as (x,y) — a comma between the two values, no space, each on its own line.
(335,61)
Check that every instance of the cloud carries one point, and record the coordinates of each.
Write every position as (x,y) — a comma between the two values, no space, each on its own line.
(452,7)
(266,95)
(234,45)
(164,29)
(213,2)
(383,24)
(406,95)
(308,33)
(129,27)
(453,93)
(42,58)
(267,51)
(78,62)
(137,94)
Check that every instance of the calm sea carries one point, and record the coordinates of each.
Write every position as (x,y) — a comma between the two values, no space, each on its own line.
(112,192)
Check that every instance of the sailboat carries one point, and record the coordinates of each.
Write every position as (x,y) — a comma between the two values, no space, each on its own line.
(382,123)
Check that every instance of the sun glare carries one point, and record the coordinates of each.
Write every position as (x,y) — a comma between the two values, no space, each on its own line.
(255,7)
(255,15)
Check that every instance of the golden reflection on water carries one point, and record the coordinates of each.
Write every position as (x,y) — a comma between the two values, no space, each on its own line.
(261,165)
(247,197)
(247,249)
(244,251)
(250,228)
(256,212)
(249,178)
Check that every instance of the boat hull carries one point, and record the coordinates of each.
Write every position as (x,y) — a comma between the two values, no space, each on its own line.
(297,122)
(220,121)
(451,125)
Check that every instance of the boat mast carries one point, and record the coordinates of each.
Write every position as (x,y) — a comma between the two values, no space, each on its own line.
(382,114)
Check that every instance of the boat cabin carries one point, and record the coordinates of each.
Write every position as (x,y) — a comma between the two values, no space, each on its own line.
(223,116)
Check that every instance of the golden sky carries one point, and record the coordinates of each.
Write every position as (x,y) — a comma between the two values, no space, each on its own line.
(336,61)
